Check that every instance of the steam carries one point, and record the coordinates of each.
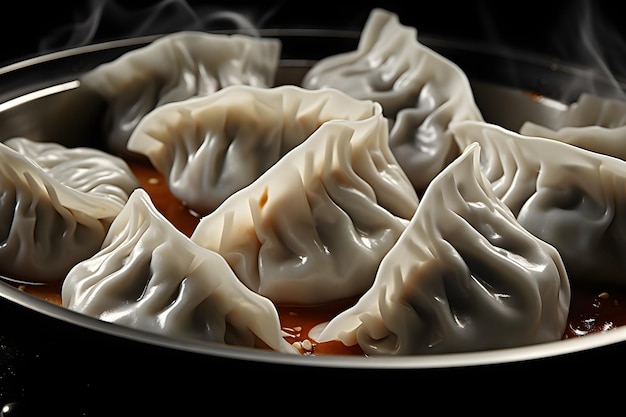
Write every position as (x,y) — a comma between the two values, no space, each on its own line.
(104,20)
(586,36)
(580,34)
(581,43)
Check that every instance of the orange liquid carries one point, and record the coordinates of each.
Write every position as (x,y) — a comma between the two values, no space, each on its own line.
(156,186)
(296,321)
(591,310)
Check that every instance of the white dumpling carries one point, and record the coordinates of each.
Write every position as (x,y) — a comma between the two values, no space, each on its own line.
(176,67)
(592,123)
(46,227)
(420,91)
(568,196)
(464,276)
(314,227)
(84,169)
(209,147)
(150,276)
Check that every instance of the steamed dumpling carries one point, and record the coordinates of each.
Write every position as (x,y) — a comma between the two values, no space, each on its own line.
(568,196)
(464,276)
(592,123)
(176,67)
(48,226)
(314,227)
(84,169)
(420,91)
(207,148)
(150,276)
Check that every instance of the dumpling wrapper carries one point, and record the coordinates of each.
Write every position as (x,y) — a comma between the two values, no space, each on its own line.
(314,227)
(47,226)
(84,169)
(592,123)
(150,276)
(571,197)
(421,92)
(176,67)
(464,276)
(207,148)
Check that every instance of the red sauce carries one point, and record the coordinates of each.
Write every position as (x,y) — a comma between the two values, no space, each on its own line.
(591,309)
(162,198)
(297,321)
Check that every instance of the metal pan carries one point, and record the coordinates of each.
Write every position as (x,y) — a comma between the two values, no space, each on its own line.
(41,98)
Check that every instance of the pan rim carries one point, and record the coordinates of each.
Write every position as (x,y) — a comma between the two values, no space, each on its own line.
(546,350)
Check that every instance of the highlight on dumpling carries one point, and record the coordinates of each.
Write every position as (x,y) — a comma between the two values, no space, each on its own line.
(52,220)
(421,92)
(376,180)
(570,197)
(463,276)
(594,123)
(209,147)
(176,67)
(314,227)
(84,169)
(149,276)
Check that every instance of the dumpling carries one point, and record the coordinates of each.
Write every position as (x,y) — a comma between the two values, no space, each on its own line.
(592,123)
(176,67)
(150,276)
(570,197)
(314,227)
(207,148)
(420,91)
(84,169)
(48,226)
(464,276)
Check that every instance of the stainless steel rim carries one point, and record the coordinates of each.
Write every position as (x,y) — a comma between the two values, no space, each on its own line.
(11,294)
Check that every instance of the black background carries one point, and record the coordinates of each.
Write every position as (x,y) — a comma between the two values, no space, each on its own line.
(71,372)
(572,30)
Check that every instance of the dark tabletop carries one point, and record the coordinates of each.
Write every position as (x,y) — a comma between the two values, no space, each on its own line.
(49,365)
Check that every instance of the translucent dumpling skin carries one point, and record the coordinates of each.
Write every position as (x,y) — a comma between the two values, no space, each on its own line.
(208,148)
(571,197)
(592,123)
(55,214)
(314,227)
(420,91)
(84,169)
(150,276)
(464,276)
(176,67)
